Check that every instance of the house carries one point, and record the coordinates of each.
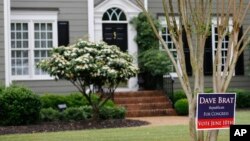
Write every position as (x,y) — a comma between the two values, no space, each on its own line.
(30,28)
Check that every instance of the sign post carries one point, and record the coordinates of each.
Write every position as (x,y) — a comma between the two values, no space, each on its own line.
(215,111)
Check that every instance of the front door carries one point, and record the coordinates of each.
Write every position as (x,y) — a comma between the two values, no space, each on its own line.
(116,34)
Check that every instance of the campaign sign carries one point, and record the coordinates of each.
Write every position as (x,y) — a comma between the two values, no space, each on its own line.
(215,111)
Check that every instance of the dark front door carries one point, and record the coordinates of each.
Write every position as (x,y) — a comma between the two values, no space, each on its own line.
(116,34)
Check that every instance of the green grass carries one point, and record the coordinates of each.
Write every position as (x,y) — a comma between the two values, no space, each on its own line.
(158,133)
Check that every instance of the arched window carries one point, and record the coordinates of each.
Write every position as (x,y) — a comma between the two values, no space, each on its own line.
(114,14)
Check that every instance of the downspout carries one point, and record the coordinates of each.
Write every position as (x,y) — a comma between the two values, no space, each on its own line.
(7,52)
(91,33)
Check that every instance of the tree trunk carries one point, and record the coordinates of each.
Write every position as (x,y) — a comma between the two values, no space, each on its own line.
(96,112)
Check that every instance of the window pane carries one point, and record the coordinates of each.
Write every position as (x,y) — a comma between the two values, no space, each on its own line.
(164,37)
(25,26)
(19,35)
(49,27)
(50,44)
(19,62)
(25,35)
(19,71)
(13,54)
(43,44)
(37,53)
(37,28)
(25,54)
(37,35)
(13,62)
(13,44)
(13,36)
(18,27)
(26,71)
(43,35)
(37,44)
(25,44)
(12,27)
(13,71)
(43,53)
(43,27)
(25,62)
(49,35)
(19,44)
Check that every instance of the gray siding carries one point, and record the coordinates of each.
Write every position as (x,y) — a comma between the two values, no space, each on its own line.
(48,86)
(2,66)
(155,7)
(74,11)
(239,82)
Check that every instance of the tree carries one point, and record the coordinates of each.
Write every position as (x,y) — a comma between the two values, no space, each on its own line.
(153,62)
(91,68)
(194,27)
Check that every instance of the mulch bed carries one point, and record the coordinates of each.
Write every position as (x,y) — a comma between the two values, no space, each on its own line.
(66,126)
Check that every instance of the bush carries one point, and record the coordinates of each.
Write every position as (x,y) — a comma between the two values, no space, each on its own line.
(72,100)
(242,98)
(19,106)
(52,101)
(181,106)
(107,112)
(70,114)
(1,89)
(76,100)
(179,94)
(50,114)
(74,113)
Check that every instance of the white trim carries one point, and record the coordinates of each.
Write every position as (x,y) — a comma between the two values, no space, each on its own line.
(32,17)
(114,21)
(91,29)
(131,11)
(146,4)
(6,4)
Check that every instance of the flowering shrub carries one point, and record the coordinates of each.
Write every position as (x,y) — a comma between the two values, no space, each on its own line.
(87,64)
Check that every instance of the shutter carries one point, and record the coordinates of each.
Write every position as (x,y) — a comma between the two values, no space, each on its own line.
(187,53)
(239,68)
(208,57)
(63,33)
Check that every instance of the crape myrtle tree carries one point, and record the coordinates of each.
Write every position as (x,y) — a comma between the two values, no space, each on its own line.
(91,68)
(191,21)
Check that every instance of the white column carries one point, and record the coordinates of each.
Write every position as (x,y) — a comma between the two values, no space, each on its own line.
(146,4)
(91,33)
(7,51)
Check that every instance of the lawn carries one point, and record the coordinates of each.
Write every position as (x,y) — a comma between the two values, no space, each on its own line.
(158,133)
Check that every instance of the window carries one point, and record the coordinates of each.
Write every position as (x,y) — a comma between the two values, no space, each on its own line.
(167,38)
(114,14)
(32,38)
(19,49)
(225,43)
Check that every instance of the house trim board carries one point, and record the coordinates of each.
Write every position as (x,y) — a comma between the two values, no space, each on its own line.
(131,11)
(91,30)
(6,4)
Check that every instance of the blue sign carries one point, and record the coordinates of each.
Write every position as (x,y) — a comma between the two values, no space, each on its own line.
(215,111)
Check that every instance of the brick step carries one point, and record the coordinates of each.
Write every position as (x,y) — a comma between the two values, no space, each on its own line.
(147,113)
(147,106)
(144,103)
(138,94)
(136,100)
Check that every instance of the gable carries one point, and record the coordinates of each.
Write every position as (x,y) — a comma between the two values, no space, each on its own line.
(125,5)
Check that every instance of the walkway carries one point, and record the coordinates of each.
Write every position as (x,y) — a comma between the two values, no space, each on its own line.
(164,120)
